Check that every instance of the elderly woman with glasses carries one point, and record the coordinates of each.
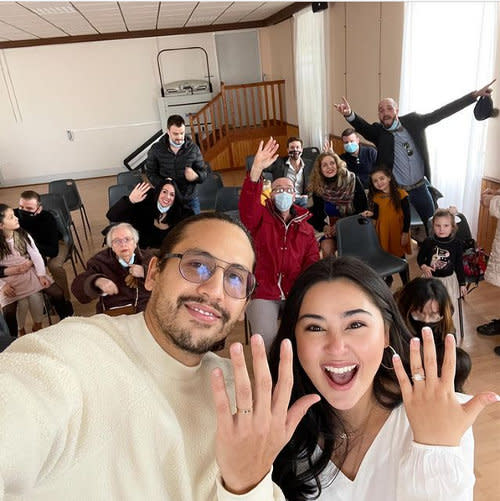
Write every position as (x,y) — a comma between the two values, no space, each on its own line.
(115,276)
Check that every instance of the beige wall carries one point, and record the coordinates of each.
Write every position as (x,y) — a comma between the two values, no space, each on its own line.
(367,41)
(276,47)
(108,87)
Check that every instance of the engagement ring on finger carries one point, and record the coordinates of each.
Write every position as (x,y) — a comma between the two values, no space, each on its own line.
(243,411)
(418,377)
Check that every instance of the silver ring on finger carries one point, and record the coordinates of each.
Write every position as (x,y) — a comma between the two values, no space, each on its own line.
(244,411)
(418,377)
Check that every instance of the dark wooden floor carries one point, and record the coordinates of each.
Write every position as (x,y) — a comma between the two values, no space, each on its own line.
(480,306)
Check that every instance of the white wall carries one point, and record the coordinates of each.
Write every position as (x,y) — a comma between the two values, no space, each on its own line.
(107,86)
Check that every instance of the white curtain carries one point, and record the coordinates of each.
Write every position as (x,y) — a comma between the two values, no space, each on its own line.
(311,75)
(448,51)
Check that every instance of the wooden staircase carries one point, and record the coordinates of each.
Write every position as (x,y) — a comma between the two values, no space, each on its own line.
(230,126)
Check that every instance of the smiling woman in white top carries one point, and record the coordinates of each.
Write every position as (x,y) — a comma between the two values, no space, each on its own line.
(376,434)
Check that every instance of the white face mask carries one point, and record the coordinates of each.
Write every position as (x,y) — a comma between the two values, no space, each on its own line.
(163,210)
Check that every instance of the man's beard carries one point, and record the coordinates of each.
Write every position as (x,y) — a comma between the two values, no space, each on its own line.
(166,318)
(294,154)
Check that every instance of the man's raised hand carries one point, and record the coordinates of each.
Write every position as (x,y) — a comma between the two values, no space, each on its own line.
(265,156)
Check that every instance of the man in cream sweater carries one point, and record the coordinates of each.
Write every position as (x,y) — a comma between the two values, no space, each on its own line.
(137,407)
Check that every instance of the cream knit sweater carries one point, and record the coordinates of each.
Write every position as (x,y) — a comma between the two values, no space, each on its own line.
(93,409)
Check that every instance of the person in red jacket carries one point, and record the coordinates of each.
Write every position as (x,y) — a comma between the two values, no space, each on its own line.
(284,241)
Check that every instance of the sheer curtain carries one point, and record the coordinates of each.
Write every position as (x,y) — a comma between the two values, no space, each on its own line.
(448,51)
(311,75)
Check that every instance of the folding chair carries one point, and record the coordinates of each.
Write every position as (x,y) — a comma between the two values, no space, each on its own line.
(68,189)
(207,191)
(227,201)
(356,236)
(57,204)
(309,154)
(130,177)
(118,191)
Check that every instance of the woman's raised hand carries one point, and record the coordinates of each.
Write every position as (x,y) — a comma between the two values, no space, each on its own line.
(327,147)
(248,441)
(138,194)
(435,415)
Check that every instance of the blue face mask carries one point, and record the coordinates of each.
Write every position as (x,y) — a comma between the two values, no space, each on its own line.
(162,209)
(283,201)
(175,145)
(124,263)
(351,147)
(394,125)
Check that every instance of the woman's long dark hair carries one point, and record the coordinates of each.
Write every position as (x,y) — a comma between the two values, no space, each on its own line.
(322,424)
(413,297)
(393,187)
(21,239)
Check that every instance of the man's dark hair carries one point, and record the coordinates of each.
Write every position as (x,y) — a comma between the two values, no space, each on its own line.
(177,233)
(30,194)
(176,120)
(348,132)
(292,139)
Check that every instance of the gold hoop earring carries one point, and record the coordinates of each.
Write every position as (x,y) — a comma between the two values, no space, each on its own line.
(393,352)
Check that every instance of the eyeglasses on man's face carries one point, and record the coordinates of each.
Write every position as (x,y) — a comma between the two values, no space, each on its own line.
(279,189)
(408,149)
(197,266)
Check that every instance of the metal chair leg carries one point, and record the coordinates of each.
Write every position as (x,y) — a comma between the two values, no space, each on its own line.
(84,227)
(79,258)
(86,218)
(76,235)
(73,264)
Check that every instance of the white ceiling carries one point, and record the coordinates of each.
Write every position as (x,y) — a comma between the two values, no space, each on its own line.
(25,21)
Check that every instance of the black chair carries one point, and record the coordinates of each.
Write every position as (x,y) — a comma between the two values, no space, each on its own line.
(207,191)
(68,189)
(227,201)
(57,204)
(130,177)
(356,236)
(309,154)
(118,191)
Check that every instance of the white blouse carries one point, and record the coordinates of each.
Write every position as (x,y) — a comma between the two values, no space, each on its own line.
(396,468)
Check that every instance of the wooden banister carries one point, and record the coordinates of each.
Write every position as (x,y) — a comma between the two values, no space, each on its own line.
(239,108)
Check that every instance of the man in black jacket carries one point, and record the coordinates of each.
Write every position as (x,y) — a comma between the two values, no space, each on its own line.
(42,226)
(175,156)
(402,145)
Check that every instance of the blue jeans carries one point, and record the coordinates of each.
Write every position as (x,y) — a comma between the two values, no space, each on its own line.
(194,204)
(421,199)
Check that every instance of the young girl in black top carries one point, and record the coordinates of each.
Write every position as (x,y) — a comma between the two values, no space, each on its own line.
(440,256)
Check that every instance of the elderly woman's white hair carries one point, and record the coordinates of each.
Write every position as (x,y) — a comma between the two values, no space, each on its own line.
(133,231)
